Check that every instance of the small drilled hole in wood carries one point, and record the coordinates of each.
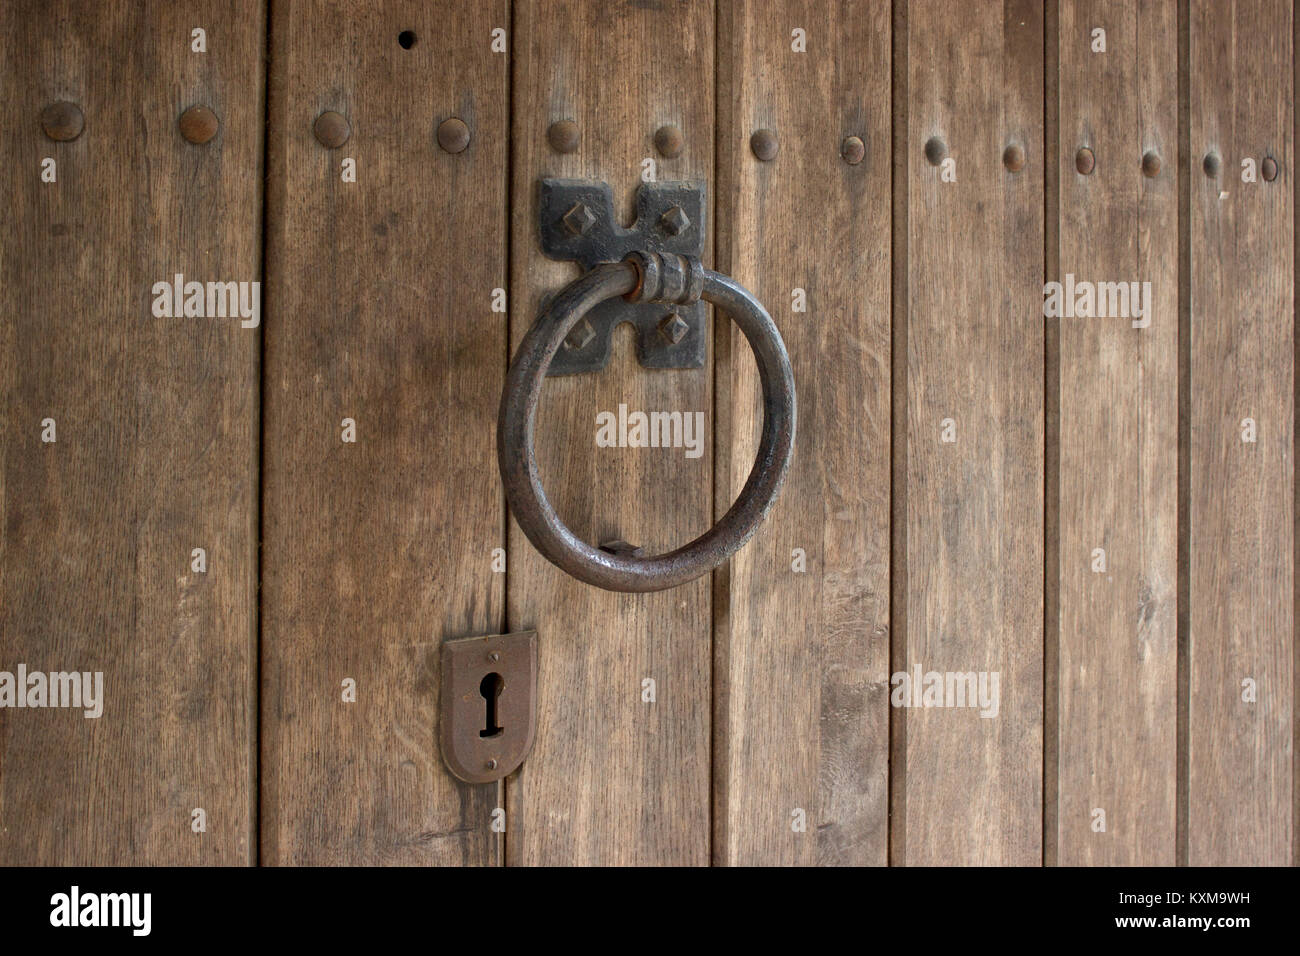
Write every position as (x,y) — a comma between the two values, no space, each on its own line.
(406,39)
(935,150)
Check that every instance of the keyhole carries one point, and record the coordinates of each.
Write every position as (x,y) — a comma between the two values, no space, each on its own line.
(490,687)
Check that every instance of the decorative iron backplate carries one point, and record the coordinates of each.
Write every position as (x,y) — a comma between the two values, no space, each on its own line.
(577,224)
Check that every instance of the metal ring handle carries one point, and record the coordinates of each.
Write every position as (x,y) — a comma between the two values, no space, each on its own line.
(644,277)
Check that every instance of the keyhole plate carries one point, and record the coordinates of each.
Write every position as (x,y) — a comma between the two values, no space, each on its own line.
(466,664)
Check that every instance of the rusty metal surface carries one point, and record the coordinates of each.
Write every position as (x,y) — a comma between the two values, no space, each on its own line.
(576,220)
(488,704)
(667,279)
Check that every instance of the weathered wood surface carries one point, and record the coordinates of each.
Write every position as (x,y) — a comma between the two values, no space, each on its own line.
(801,719)
(1118,428)
(1241,511)
(379,311)
(155,427)
(1119,690)
(971,784)
(612,778)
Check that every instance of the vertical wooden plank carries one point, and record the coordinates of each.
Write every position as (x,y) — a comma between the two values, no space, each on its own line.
(612,779)
(802,653)
(155,421)
(1051,436)
(380,312)
(975,375)
(1242,627)
(1118,433)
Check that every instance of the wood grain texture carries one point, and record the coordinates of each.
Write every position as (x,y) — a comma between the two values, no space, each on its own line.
(1118,438)
(1242,573)
(975,506)
(772,686)
(380,311)
(156,427)
(611,779)
(801,682)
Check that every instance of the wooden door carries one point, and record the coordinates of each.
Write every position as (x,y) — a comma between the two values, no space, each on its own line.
(130,448)
(1028,594)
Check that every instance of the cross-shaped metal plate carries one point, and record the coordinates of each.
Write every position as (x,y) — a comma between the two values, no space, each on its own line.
(577,224)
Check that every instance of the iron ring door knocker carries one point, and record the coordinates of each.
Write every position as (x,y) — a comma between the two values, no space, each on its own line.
(667,279)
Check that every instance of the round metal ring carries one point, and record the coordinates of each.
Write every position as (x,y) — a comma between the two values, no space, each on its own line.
(523,389)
